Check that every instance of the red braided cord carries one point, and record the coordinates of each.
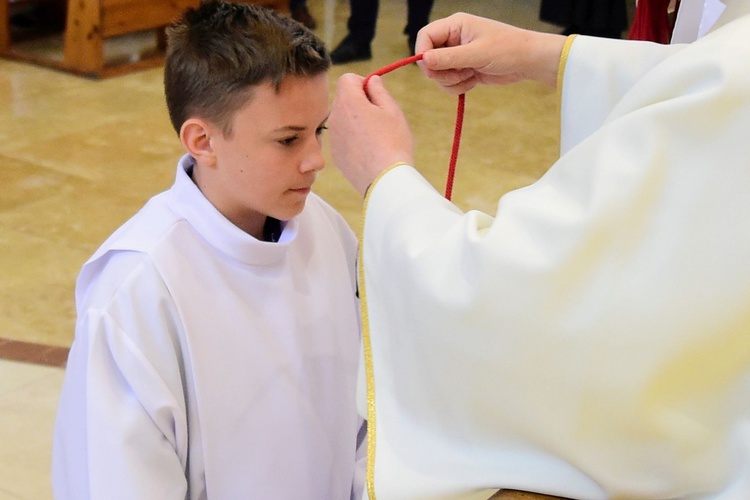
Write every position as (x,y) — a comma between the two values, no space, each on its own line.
(456,143)
(387,69)
(459,118)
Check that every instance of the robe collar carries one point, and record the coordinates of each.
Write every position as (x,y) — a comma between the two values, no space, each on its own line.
(188,201)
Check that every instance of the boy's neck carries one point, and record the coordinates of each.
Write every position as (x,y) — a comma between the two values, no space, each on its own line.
(272,229)
(269,230)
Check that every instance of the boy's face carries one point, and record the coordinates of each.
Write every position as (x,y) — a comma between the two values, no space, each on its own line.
(268,165)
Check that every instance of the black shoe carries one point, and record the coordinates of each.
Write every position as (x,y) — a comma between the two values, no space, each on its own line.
(350,50)
(302,15)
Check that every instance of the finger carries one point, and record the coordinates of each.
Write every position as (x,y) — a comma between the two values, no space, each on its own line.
(460,57)
(423,42)
(446,32)
(448,77)
(461,87)
(348,90)
(349,81)
(431,36)
(377,92)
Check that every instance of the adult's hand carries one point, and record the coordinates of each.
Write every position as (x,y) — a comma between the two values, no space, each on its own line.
(367,135)
(463,50)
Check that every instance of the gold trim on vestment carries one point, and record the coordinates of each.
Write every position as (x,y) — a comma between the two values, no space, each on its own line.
(561,68)
(367,345)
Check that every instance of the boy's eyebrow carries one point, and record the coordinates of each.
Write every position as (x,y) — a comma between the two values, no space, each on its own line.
(297,128)
(293,128)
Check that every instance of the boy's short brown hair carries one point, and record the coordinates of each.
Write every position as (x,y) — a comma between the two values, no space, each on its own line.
(217,52)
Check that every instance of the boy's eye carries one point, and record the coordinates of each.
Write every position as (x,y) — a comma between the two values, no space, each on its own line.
(288,141)
(320,129)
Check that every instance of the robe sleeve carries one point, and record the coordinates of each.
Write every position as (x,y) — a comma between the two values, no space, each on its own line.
(121,426)
(595,330)
(596,74)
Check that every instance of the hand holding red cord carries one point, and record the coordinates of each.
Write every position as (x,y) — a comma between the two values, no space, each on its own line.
(462,50)
(458,52)
(457,134)
(459,118)
(367,135)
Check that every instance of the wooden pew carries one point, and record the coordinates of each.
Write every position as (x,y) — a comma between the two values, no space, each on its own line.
(89,24)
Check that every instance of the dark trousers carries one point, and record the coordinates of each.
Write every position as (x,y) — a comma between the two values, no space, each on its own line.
(364,17)
(588,17)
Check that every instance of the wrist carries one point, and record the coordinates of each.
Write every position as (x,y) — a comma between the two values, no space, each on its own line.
(543,58)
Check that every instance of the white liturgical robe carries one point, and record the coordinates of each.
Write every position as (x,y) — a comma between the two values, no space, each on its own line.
(210,365)
(592,339)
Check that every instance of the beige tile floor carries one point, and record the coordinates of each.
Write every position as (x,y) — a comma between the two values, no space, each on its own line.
(78,157)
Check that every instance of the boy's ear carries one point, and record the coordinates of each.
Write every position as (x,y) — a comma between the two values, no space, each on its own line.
(195,136)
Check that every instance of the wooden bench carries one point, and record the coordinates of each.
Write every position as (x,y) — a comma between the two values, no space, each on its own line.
(89,24)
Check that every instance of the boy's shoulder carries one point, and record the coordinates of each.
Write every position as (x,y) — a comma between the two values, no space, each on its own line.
(129,247)
(143,230)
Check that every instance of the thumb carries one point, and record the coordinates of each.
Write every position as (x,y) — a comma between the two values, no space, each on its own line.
(446,58)
(377,92)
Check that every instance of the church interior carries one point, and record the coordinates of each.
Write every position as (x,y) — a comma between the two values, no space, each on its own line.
(79,154)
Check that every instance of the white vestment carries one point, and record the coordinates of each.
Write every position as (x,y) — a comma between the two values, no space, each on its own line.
(210,365)
(592,339)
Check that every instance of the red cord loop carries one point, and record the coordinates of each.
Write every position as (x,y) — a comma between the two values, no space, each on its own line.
(459,118)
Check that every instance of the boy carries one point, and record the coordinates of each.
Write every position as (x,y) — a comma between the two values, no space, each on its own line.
(217,341)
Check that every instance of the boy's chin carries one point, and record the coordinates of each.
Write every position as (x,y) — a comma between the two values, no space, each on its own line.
(289,213)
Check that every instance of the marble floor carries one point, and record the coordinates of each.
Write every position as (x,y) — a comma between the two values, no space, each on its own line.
(79,156)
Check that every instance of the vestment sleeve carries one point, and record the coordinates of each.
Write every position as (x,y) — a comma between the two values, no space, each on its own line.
(563,344)
(597,73)
(121,425)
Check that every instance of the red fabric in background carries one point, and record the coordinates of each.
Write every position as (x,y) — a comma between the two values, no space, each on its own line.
(652,21)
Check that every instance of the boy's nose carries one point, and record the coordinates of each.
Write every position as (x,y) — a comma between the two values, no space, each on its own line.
(313,158)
